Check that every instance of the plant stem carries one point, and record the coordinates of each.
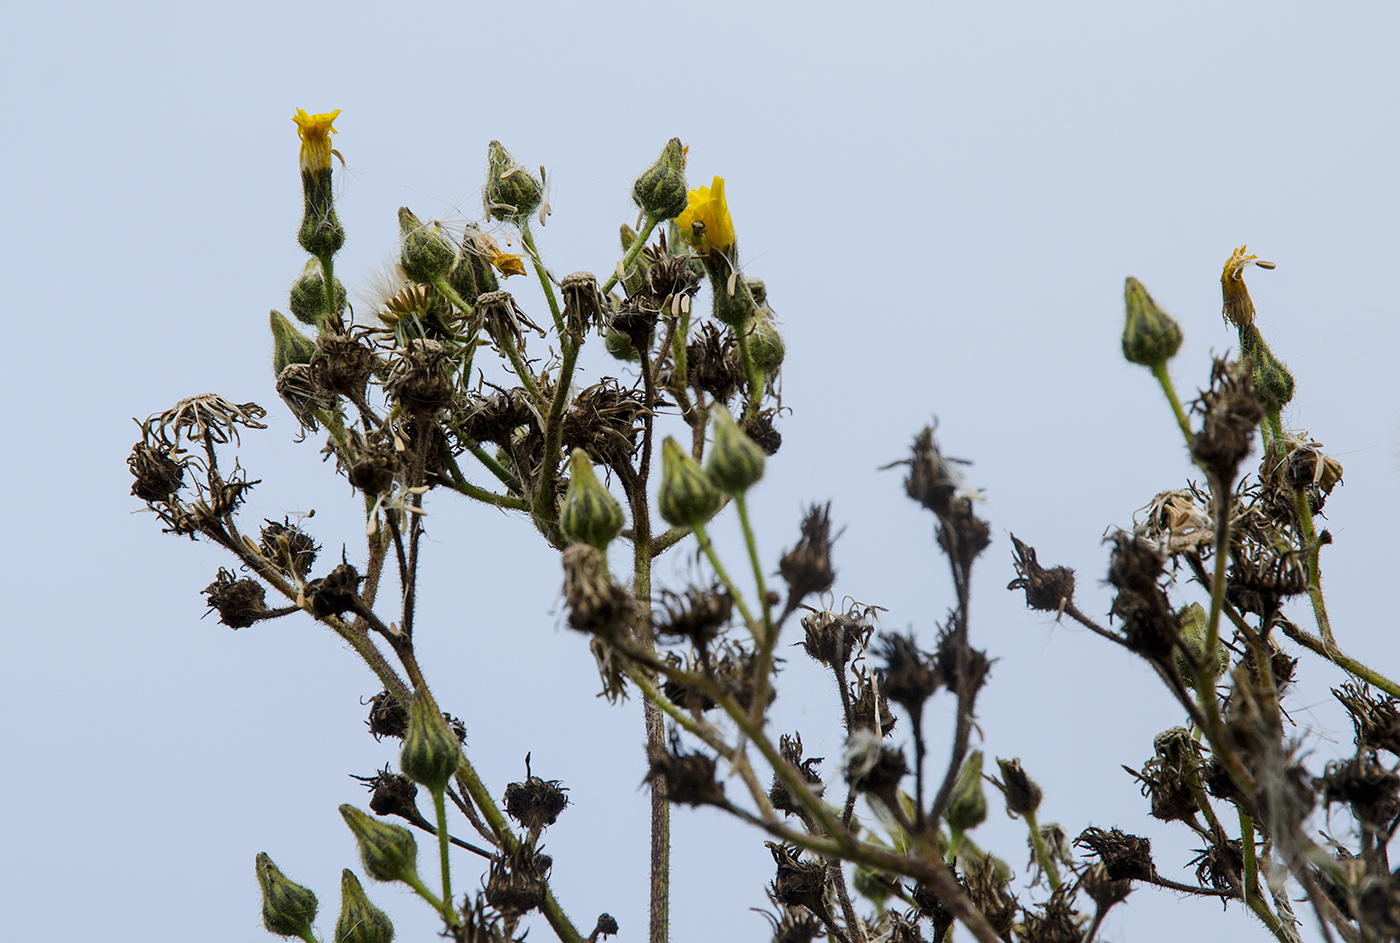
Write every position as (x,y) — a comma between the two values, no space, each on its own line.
(464,487)
(440,807)
(495,468)
(1251,865)
(708,547)
(751,374)
(635,249)
(1042,852)
(1159,370)
(1339,658)
(768,638)
(1303,511)
(545,285)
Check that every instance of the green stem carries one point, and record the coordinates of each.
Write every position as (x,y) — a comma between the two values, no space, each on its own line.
(1303,511)
(1159,370)
(1220,493)
(1339,658)
(527,379)
(710,554)
(495,467)
(546,507)
(648,224)
(327,267)
(1042,852)
(545,285)
(421,889)
(751,373)
(440,807)
(308,936)
(1251,865)
(768,639)
(462,486)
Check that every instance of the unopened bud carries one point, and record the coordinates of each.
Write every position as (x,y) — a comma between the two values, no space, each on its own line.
(388,852)
(967,807)
(424,253)
(307,299)
(620,346)
(1193,622)
(511,192)
(287,907)
(765,344)
(687,497)
(590,514)
(1022,794)
(1150,335)
(289,345)
(1272,380)
(660,190)
(360,921)
(431,753)
(736,461)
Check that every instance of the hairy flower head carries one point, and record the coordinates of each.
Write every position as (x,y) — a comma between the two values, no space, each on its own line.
(315,132)
(707,206)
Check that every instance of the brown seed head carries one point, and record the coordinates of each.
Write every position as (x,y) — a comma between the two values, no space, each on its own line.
(791,750)
(335,592)
(157,474)
(388,717)
(1046,590)
(535,803)
(1125,857)
(1230,411)
(239,602)
(688,778)
(807,566)
(596,604)
(908,678)
(343,365)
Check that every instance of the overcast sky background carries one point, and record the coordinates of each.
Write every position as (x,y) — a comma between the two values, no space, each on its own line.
(943,199)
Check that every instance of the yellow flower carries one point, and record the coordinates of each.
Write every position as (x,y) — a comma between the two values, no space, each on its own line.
(1239,308)
(707,206)
(508,263)
(315,132)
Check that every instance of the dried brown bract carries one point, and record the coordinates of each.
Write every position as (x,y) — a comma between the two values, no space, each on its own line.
(1056,921)
(1046,590)
(240,603)
(697,614)
(799,883)
(420,379)
(343,364)
(807,567)
(689,778)
(832,637)
(864,705)
(493,418)
(1377,719)
(517,883)
(988,892)
(334,593)
(388,717)
(791,750)
(504,320)
(393,794)
(583,303)
(596,604)
(1149,624)
(290,546)
(636,320)
(712,363)
(1231,409)
(1371,790)
(759,427)
(1220,866)
(1125,857)
(303,395)
(157,474)
(604,420)
(790,925)
(908,677)
(535,803)
(958,666)
(1167,777)
(205,418)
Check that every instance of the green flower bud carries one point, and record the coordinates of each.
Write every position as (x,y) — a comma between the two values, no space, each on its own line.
(620,346)
(765,344)
(590,514)
(1272,379)
(512,192)
(308,295)
(360,921)
(288,908)
(660,190)
(289,345)
(687,495)
(389,852)
(736,461)
(424,253)
(1150,335)
(321,233)
(733,301)
(431,753)
(1194,623)
(967,806)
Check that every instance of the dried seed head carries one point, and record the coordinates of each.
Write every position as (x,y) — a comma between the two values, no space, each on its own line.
(661,191)
(343,365)
(1046,590)
(421,377)
(605,421)
(1055,922)
(759,427)
(504,320)
(798,883)
(494,418)
(1376,719)
(535,803)
(908,678)
(388,852)
(712,363)
(290,546)
(1176,522)
(791,751)
(360,921)
(688,778)
(832,637)
(388,717)
(807,566)
(604,928)
(596,604)
(1370,789)
(392,794)
(932,480)
(374,469)
(1022,793)
(158,475)
(1125,857)
(930,905)
(873,767)
(239,602)
(670,279)
(636,320)
(1148,621)
(1151,337)
(298,387)
(1221,866)
(517,884)
(610,670)
(1231,409)
(288,908)
(1167,778)
(697,614)
(583,303)
(335,592)
(1104,891)
(986,887)
(958,666)
(199,419)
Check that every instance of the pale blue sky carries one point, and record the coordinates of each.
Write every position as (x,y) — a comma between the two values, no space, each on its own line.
(943,199)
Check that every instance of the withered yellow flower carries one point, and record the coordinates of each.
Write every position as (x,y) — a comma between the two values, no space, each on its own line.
(508,263)
(707,206)
(1239,307)
(315,132)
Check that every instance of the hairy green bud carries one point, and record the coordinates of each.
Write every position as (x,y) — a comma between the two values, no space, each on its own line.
(661,190)
(1194,625)
(307,299)
(967,806)
(360,921)
(1272,380)
(288,908)
(765,344)
(431,752)
(388,852)
(736,461)
(289,345)
(1150,336)
(590,514)
(424,253)
(687,497)
(511,192)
